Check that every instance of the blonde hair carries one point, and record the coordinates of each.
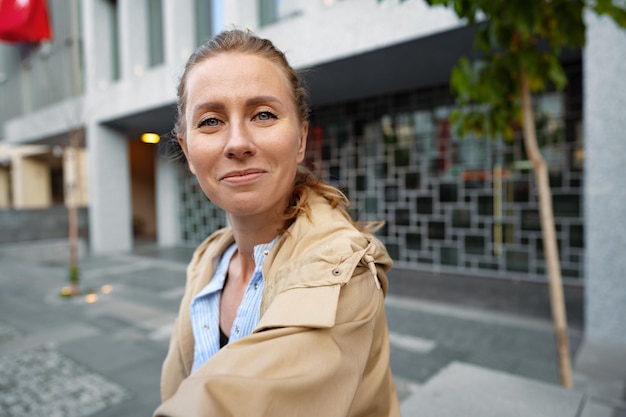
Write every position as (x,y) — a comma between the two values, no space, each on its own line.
(305,184)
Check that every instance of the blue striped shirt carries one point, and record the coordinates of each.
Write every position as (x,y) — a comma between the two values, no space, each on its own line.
(205,307)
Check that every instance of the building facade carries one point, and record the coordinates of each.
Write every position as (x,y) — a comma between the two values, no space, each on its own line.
(378,74)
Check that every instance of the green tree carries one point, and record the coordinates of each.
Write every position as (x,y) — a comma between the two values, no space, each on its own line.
(520,42)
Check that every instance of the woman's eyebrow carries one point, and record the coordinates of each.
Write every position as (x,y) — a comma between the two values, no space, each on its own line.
(209,105)
(255,101)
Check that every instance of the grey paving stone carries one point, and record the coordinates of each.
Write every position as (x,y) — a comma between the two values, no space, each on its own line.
(130,408)
(7,333)
(43,383)
(142,380)
(539,369)
(502,361)
(404,387)
(140,315)
(422,366)
(108,354)
(516,346)
(181,254)
(51,336)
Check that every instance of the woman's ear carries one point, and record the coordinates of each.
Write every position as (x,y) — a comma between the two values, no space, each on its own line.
(183,146)
(304,131)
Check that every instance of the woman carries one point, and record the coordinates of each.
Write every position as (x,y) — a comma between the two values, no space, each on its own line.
(283,311)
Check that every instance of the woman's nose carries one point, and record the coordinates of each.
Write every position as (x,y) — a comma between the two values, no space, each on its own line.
(239,143)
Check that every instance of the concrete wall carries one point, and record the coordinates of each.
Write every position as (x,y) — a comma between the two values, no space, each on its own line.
(9,83)
(38,224)
(53,121)
(167,202)
(329,30)
(110,224)
(605,170)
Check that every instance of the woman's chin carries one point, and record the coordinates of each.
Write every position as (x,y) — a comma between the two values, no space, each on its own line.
(249,209)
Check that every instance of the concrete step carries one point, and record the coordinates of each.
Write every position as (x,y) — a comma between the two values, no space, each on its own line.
(600,371)
(470,391)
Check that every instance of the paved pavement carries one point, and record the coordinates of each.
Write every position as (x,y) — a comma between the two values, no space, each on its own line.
(73,357)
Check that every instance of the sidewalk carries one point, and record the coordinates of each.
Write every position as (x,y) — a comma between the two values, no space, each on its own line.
(61,357)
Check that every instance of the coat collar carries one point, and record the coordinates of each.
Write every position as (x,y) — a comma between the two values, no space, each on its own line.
(320,250)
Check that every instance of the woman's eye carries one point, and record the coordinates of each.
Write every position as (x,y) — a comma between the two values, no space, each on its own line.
(265,116)
(210,122)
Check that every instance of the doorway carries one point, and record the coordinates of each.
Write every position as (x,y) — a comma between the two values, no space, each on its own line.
(142,187)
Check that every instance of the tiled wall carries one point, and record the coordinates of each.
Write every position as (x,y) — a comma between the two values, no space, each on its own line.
(199,217)
(446,204)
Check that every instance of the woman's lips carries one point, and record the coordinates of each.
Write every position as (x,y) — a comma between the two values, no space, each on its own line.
(242,177)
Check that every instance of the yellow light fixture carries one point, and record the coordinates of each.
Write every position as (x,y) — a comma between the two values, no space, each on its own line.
(150,138)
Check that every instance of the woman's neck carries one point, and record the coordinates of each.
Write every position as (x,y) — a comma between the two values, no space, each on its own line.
(251,232)
(248,235)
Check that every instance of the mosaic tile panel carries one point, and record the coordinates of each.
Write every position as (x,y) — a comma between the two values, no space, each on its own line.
(198,216)
(451,204)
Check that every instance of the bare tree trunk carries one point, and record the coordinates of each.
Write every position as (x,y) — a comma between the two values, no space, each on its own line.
(75,139)
(72,210)
(550,248)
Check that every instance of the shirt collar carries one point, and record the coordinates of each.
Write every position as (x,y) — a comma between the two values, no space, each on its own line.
(219,277)
(262,250)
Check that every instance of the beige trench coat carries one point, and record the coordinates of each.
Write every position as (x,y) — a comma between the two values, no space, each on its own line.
(321,347)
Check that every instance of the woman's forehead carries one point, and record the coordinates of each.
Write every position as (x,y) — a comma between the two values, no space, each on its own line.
(229,74)
(229,65)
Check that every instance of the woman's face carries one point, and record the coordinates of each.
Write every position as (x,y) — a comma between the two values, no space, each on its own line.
(243,138)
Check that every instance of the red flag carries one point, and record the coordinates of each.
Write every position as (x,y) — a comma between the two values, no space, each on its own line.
(24,21)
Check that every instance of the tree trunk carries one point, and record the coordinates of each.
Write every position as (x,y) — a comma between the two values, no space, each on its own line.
(75,139)
(550,248)
(72,210)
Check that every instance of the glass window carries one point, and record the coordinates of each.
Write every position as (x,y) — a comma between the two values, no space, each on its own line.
(268,12)
(155,33)
(204,20)
(271,11)
(116,70)
(449,256)
(77,45)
